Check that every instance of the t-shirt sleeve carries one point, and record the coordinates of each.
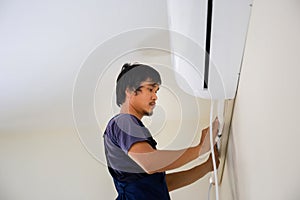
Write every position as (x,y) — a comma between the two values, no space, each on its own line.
(129,131)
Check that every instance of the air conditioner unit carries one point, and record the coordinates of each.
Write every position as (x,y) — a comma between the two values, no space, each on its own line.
(207,39)
(207,61)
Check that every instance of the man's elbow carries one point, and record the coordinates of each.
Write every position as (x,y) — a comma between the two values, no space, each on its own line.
(150,169)
(148,162)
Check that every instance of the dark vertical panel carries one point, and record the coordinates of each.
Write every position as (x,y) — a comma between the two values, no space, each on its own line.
(207,43)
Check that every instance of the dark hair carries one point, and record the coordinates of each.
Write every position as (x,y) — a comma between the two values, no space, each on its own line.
(131,76)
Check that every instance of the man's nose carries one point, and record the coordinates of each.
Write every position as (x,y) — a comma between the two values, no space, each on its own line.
(154,96)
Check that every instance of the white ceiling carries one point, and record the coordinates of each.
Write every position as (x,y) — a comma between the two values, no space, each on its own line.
(43,45)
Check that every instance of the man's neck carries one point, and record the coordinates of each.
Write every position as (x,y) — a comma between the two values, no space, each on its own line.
(126,109)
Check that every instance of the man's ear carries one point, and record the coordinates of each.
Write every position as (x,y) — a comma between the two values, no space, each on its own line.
(129,92)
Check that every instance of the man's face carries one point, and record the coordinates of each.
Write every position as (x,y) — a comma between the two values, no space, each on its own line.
(143,102)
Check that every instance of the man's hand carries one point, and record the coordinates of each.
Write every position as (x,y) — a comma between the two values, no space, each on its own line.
(205,137)
(210,160)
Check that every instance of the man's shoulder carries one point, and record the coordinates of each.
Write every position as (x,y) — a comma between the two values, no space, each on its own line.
(126,119)
(128,124)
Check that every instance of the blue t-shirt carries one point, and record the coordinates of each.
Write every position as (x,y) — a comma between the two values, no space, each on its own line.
(130,180)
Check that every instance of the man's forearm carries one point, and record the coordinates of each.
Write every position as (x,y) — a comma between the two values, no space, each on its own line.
(180,179)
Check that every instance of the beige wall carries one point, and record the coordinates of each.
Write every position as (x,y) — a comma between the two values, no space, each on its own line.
(263,160)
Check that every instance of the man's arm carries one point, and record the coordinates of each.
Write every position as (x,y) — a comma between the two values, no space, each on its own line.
(152,160)
(183,178)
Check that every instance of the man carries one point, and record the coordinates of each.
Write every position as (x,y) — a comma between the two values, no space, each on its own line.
(137,167)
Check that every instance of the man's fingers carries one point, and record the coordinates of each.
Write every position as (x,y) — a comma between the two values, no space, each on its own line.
(216,155)
(204,134)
